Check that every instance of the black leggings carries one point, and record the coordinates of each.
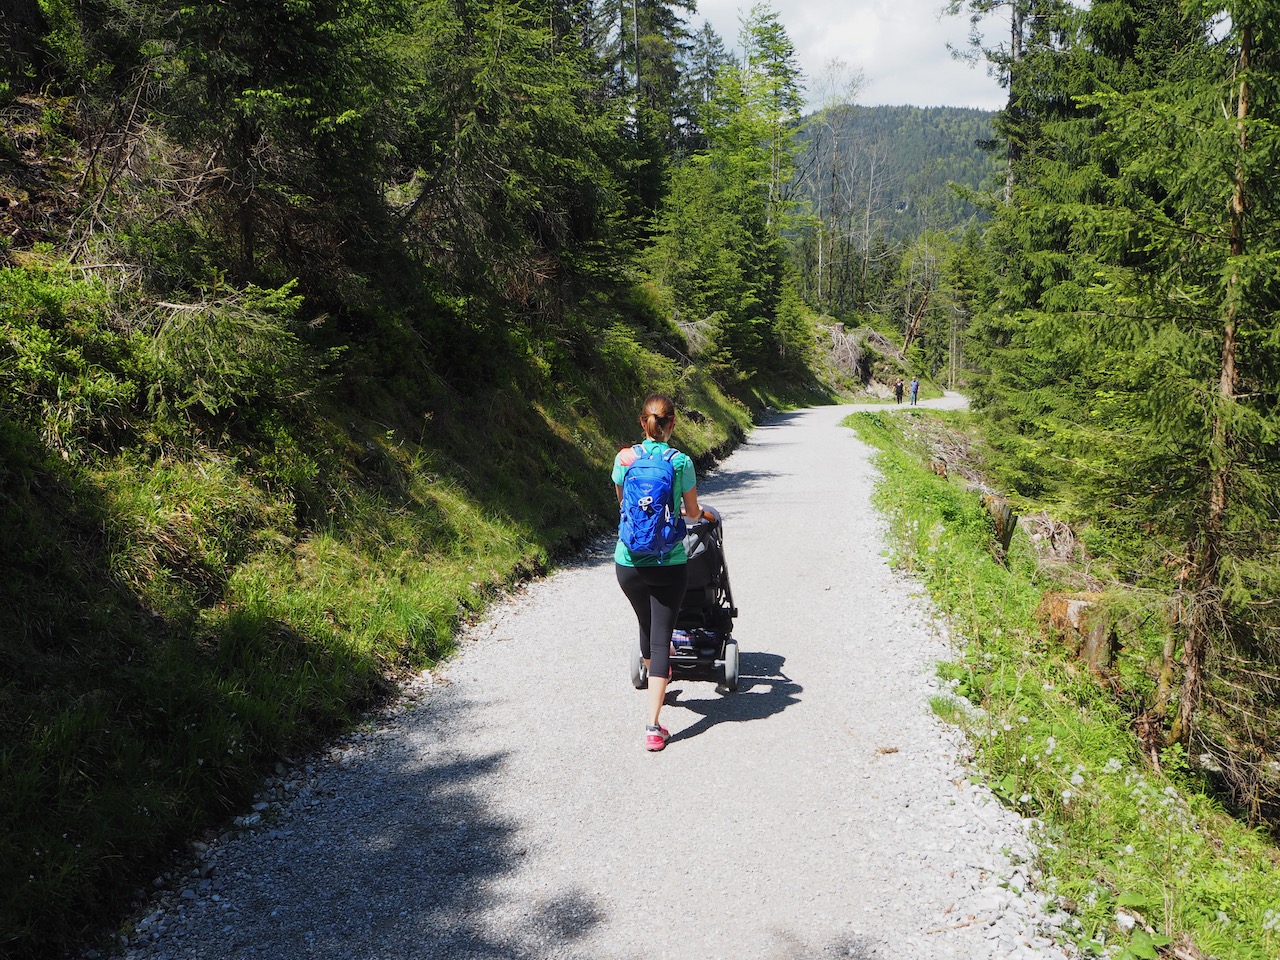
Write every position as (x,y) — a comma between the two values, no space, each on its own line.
(655,594)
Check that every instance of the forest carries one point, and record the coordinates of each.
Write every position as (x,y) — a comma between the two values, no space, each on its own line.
(1124,342)
(283,345)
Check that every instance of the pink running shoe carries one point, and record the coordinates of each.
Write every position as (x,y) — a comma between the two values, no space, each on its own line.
(655,738)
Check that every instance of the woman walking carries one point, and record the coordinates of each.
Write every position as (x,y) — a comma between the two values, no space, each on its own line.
(653,574)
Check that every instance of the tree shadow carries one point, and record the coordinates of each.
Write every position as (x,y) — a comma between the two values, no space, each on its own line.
(735,482)
(779,419)
(401,857)
(843,948)
(725,479)
(763,690)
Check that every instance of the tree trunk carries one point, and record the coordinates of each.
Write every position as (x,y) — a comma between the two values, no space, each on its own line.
(1003,519)
(1207,617)
(863,280)
(1015,95)
(1165,682)
(913,324)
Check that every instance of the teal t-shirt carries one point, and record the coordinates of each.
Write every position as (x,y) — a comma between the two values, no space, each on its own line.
(685,481)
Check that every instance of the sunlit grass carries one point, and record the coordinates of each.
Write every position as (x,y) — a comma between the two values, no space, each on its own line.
(1140,857)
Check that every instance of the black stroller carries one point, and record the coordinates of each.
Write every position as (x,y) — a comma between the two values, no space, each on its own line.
(704,625)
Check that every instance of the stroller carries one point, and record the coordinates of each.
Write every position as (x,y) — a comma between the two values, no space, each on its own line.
(704,624)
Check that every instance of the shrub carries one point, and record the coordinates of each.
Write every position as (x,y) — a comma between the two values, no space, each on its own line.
(63,370)
(229,351)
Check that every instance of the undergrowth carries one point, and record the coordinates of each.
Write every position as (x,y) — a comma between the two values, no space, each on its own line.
(1145,860)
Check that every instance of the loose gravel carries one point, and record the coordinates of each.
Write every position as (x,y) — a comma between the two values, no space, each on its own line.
(505,806)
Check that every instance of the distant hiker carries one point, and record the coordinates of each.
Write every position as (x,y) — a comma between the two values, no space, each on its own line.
(653,481)
(897,391)
(915,390)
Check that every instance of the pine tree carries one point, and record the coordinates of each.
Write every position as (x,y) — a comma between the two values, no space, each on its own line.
(290,134)
(21,59)
(704,62)
(1038,31)
(773,90)
(1134,334)
(513,167)
(718,250)
(1036,379)
(1201,309)
(641,45)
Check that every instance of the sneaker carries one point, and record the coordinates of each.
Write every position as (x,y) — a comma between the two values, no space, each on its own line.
(655,737)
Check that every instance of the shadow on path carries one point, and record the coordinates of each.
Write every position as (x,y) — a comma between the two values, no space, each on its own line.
(404,857)
(763,690)
(736,482)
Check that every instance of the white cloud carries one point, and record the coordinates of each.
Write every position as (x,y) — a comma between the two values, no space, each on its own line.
(900,46)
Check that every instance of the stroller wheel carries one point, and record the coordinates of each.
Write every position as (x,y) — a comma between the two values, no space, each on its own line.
(639,675)
(731,664)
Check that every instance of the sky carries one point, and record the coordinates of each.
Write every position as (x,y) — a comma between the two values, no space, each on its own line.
(900,46)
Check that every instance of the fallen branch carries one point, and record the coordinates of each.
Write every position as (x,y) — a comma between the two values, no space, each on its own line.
(964,923)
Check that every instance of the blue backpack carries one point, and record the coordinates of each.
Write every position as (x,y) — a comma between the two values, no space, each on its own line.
(650,524)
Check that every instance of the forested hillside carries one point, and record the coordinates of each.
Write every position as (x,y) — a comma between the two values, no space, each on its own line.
(889,194)
(906,163)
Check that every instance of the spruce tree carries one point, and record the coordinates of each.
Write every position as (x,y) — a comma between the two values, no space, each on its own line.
(718,251)
(1133,337)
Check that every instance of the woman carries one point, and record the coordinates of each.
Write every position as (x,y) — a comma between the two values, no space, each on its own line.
(655,585)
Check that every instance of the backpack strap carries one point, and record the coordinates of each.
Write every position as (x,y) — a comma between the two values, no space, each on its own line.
(670,457)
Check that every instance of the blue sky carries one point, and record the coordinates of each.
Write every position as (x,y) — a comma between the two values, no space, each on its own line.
(900,46)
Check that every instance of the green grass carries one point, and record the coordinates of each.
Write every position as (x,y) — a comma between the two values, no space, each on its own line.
(1116,835)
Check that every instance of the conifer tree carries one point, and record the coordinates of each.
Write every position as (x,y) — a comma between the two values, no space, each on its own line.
(512,170)
(641,45)
(718,251)
(704,62)
(1205,295)
(773,90)
(291,135)
(1135,332)
(1036,382)
(1038,30)
(21,28)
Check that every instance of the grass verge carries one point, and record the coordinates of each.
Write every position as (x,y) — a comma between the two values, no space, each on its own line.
(1146,861)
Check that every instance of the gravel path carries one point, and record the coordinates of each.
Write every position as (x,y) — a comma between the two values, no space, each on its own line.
(507,808)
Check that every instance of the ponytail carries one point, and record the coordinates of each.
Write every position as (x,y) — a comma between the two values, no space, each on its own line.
(657,416)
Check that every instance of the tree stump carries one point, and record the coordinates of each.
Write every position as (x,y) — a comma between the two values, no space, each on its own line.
(1003,518)
(1078,620)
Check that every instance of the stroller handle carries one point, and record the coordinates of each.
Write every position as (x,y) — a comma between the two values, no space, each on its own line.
(708,516)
